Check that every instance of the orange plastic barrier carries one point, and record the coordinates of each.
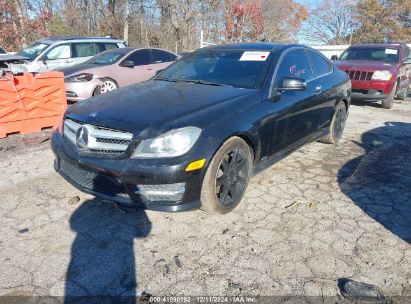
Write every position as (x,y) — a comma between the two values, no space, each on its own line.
(31,103)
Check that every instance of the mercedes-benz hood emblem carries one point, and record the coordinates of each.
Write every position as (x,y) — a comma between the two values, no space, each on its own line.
(82,137)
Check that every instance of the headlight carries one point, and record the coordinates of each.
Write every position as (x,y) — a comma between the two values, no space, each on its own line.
(381,75)
(83,77)
(173,143)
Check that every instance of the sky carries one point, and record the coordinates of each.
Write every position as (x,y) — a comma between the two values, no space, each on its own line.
(301,39)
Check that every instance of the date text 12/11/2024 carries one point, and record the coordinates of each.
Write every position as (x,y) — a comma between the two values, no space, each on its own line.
(202,299)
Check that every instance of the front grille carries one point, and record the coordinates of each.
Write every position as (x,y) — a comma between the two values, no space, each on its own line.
(359,75)
(93,181)
(98,140)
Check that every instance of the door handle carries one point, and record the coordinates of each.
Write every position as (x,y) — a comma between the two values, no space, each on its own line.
(318,89)
(69,61)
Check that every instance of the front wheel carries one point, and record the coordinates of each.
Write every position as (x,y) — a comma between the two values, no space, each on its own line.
(389,101)
(108,85)
(337,125)
(227,177)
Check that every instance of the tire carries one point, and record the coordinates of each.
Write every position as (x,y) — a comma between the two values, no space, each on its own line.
(337,125)
(388,102)
(224,184)
(404,92)
(108,85)
(96,91)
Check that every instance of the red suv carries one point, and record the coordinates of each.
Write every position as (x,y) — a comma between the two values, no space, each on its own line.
(378,71)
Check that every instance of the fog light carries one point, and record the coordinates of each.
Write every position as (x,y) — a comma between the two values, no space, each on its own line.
(71,94)
(163,192)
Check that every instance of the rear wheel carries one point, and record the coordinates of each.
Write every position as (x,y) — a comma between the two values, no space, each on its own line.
(337,126)
(404,92)
(389,101)
(227,177)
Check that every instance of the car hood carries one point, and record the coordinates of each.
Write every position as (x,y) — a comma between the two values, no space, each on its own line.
(81,68)
(368,65)
(150,108)
(7,58)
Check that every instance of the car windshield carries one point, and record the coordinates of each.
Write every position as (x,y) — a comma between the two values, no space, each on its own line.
(372,53)
(2,51)
(33,50)
(236,68)
(107,58)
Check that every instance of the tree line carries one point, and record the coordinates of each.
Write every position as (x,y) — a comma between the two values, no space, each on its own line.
(176,24)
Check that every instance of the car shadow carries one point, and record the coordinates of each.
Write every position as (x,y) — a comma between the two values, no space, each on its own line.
(363,103)
(102,268)
(379,181)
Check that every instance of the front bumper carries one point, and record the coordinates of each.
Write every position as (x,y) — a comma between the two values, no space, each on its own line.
(370,90)
(126,180)
(79,91)
(367,95)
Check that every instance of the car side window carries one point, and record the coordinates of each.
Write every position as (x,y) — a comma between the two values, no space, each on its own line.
(62,51)
(85,49)
(141,57)
(162,56)
(108,46)
(320,65)
(294,64)
(407,53)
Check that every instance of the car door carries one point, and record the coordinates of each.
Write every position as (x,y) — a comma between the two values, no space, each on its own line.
(58,57)
(142,70)
(295,111)
(326,88)
(161,59)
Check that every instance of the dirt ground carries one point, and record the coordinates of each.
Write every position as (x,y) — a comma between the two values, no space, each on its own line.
(325,212)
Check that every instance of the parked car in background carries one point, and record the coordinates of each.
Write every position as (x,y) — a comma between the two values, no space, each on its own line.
(57,52)
(193,135)
(3,51)
(113,69)
(378,71)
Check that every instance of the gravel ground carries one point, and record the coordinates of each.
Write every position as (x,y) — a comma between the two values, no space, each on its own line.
(325,212)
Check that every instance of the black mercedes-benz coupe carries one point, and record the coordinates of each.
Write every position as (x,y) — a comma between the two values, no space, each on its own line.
(194,135)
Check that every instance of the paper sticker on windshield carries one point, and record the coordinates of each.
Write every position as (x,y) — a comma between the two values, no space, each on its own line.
(254,56)
(391,51)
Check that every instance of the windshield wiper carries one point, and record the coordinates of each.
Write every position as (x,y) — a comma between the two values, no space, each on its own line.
(199,81)
(166,79)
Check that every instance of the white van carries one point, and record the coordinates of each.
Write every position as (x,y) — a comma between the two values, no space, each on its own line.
(57,52)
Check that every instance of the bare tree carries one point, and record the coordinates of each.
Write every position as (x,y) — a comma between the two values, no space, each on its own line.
(282,20)
(330,22)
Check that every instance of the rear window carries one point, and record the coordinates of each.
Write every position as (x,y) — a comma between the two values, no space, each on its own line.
(320,65)
(385,54)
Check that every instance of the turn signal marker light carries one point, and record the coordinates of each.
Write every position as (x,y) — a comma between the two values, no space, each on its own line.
(195,165)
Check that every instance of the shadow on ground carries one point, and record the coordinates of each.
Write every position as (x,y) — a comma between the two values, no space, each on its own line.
(103,266)
(379,181)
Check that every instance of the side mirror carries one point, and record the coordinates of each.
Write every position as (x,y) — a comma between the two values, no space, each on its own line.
(292,84)
(128,64)
(334,58)
(159,71)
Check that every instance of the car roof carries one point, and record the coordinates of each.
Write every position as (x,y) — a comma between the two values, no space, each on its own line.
(260,46)
(367,45)
(51,40)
